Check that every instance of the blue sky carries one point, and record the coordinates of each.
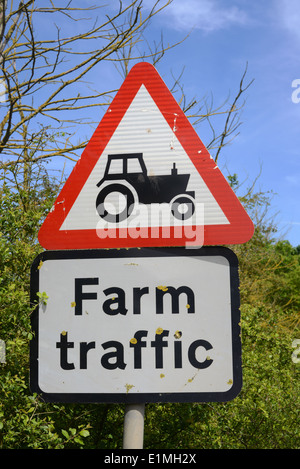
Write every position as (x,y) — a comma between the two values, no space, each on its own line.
(226,34)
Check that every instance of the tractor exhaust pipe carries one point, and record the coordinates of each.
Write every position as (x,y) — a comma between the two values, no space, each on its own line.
(174,170)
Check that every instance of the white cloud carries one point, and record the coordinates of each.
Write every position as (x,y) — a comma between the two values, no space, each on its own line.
(293,179)
(206,15)
(288,12)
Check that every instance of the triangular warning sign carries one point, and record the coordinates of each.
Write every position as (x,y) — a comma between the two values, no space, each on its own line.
(145,179)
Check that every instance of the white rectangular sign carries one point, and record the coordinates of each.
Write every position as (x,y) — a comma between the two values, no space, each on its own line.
(137,325)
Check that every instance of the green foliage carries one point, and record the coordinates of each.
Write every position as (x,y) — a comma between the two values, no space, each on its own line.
(264,415)
(43,297)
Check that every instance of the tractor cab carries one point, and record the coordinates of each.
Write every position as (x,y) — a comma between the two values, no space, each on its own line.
(122,166)
(126,175)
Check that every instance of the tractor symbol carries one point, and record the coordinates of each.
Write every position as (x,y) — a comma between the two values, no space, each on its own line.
(126,178)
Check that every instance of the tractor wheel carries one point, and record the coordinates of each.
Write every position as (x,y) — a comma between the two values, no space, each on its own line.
(115,203)
(182,207)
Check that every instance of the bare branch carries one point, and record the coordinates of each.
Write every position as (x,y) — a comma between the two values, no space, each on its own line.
(231,123)
(40,74)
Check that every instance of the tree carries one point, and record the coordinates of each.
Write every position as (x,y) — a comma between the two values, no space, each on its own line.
(203,111)
(41,76)
(42,73)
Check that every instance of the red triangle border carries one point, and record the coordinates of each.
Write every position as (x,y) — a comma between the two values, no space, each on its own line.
(240,228)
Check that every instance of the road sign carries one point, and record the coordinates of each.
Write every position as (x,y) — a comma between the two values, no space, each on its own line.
(145,179)
(137,325)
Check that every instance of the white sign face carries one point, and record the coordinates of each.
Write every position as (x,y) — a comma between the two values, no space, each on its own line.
(138,325)
(135,141)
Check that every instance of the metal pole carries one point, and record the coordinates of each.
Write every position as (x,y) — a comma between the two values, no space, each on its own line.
(133,436)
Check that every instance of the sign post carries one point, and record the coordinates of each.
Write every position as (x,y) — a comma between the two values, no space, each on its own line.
(140,304)
(133,436)
(136,326)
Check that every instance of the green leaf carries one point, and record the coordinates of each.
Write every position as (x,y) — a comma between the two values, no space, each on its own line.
(43,297)
(65,433)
